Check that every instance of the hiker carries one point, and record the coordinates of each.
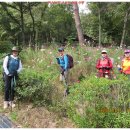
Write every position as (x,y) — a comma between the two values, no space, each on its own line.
(125,65)
(12,66)
(104,65)
(64,69)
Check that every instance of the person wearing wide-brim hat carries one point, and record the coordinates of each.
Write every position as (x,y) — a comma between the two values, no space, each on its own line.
(12,66)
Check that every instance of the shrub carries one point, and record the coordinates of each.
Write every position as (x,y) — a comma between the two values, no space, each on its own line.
(5,46)
(100,103)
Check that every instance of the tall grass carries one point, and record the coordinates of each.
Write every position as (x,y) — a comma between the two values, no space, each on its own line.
(89,96)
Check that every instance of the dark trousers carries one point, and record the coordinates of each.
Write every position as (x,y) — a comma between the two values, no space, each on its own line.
(9,91)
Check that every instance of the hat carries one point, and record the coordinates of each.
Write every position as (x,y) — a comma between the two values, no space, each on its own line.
(104,51)
(127,51)
(61,49)
(14,48)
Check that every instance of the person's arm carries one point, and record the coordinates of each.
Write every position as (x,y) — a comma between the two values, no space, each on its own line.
(110,66)
(5,65)
(66,62)
(20,66)
(58,60)
(98,66)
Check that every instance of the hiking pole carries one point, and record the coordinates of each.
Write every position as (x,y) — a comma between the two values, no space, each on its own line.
(13,84)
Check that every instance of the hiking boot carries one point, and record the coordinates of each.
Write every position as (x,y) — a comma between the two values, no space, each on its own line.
(11,104)
(61,77)
(5,104)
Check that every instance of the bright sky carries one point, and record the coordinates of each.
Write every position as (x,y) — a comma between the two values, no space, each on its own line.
(83,7)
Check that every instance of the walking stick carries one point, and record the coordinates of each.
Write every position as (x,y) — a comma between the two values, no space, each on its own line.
(13,85)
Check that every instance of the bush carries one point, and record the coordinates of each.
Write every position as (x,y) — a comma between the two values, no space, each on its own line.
(100,102)
(5,46)
(33,87)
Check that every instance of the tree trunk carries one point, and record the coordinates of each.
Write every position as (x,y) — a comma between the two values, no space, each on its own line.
(99,15)
(124,27)
(22,22)
(78,24)
(33,39)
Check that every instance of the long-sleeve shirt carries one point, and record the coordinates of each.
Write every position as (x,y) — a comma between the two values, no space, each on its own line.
(104,62)
(63,61)
(5,64)
(126,65)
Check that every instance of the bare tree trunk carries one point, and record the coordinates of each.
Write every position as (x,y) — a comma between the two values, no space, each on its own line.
(22,22)
(99,15)
(124,27)
(78,24)
(32,22)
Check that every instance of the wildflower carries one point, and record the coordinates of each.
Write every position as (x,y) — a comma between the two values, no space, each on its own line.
(48,66)
(118,58)
(79,62)
(50,52)
(42,49)
(118,66)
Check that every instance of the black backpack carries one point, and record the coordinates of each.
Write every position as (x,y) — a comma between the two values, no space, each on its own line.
(71,61)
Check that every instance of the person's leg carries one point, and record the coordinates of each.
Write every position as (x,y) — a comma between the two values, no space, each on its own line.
(12,93)
(7,90)
(66,79)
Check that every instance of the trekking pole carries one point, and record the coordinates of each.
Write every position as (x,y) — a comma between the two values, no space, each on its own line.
(13,84)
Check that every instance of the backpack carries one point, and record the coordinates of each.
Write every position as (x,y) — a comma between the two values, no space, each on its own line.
(71,61)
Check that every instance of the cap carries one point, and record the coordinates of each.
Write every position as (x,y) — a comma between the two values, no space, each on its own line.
(14,48)
(127,51)
(104,51)
(61,49)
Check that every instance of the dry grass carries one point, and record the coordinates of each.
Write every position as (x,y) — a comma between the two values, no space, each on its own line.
(38,117)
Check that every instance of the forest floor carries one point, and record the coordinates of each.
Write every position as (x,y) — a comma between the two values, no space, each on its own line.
(27,116)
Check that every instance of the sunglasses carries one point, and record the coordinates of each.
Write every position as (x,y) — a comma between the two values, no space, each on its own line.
(104,53)
(126,52)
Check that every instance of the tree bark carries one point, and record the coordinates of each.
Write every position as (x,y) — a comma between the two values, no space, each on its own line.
(33,21)
(124,27)
(22,22)
(78,24)
(99,15)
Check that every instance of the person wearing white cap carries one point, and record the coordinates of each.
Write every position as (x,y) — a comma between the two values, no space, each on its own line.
(104,65)
(12,66)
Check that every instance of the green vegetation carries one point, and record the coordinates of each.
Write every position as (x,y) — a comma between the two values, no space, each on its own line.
(92,102)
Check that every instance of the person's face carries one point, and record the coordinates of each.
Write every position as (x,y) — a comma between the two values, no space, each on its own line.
(104,54)
(127,54)
(15,53)
(61,53)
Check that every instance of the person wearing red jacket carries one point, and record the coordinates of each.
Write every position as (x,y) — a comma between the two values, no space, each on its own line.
(104,65)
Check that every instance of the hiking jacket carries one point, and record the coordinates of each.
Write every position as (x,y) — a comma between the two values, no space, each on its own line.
(12,66)
(126,65)
(104,64)
(63,61)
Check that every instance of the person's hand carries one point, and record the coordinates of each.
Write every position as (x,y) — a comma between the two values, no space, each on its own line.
(15,73)
(100,67)
(10,75)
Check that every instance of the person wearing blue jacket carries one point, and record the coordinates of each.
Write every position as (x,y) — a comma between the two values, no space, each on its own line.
(12,66)
(62,60)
